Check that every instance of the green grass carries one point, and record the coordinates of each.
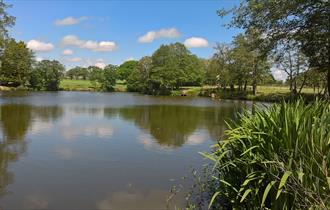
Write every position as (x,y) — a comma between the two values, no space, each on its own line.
(76,85)
(264,93)
(275,158)
(86,85)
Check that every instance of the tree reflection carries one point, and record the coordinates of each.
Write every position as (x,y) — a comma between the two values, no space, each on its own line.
(15,121)
(172,125)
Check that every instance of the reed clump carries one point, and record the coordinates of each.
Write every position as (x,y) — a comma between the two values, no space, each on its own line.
(275,158)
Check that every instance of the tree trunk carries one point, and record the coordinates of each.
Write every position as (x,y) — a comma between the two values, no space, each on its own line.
(245,84)
(328,82)
(232,88)
(254,87)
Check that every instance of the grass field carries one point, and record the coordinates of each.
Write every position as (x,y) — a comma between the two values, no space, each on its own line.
(86,85)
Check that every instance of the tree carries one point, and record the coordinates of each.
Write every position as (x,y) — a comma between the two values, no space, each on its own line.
(6,20)
(77,73)
(16,63)
(125,69)
(289,58)
(47,75)
(137,80)
(173,66)
(104,79)
(218,67)
(109,77)
(306,22)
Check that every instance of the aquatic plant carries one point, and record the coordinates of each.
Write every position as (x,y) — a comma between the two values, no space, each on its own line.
(275,158)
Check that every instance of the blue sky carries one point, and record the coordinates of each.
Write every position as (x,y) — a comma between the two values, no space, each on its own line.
(86,32)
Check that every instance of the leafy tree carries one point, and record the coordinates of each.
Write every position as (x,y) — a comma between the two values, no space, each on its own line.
(104,79)
(77,73)
(6,20)
(16,63)
(47,75)
(136,81)
(289,58)
(218,66)
(96,76)
(109,77)
(125,69)
(306,22)
(173,66)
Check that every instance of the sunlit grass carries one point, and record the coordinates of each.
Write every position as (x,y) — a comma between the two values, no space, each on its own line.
(86,85)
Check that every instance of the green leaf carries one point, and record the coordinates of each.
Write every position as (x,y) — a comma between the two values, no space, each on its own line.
(300,176)
(213,198)
(269,186)
(328,179)
(246,193)
(282,183)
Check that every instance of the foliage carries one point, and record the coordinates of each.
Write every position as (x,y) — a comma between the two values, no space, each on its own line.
(46,75)
(125,69)
(276,158)
(136,81)
(305,22)
(77,73)
(170,67)
(104,79)
(6,20)
(16,63)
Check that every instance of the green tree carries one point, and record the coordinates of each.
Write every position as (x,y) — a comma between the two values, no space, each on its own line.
(306,22)
(137,80)
(104,79)
(173,66)
(125,69)
(16,63)
(47,75)
(6,20)
(109,77)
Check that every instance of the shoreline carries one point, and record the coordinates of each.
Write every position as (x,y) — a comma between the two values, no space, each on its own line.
(193,92)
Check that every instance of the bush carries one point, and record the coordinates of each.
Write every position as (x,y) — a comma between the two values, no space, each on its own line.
(276,158)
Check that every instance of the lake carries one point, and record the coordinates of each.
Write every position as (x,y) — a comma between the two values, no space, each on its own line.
(89,150)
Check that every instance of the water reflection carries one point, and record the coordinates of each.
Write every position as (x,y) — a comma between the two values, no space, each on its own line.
(71,154)
(173,126)
(15,122)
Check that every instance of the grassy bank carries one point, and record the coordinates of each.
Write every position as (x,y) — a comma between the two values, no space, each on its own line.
(86,85)
(264,93)
(276,158)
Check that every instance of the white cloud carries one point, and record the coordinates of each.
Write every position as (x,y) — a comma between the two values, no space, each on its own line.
(67,52)
(279,74)
(39,58)
(100,63)
(162,33)
(37,45)
(102,46)
(196,42)
(74,59)
(69,21)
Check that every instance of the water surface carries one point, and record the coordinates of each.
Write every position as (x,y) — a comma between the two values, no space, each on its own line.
(82,150)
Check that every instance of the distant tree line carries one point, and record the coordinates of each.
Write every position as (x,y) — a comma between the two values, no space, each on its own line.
(238,66)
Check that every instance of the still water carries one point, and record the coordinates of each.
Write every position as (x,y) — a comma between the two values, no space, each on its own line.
(82,150)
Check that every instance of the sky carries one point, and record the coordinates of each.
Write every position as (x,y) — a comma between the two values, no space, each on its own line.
(100,32)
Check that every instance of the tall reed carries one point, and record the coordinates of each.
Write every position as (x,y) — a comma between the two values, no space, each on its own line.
(276,158)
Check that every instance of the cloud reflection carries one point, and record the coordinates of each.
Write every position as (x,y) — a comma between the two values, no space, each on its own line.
(71,132)
(150,144)
(196,139)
